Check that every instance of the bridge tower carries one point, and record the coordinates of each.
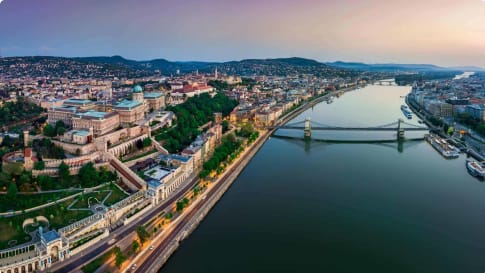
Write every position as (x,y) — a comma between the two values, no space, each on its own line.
(400,131)
(308,128)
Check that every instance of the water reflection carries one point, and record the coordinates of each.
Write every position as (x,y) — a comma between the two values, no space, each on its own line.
(316,145)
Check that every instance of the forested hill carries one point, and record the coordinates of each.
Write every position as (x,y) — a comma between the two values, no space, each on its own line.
(117,66)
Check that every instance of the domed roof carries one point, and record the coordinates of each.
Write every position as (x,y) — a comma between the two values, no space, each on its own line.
(137,89)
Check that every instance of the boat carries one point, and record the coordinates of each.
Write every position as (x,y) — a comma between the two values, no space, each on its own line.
(448,151)
(406,111)
(475,168)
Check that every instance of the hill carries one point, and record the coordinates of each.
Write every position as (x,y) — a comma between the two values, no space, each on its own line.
(402,67)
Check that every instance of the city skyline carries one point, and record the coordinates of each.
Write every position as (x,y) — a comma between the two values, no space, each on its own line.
(446,33)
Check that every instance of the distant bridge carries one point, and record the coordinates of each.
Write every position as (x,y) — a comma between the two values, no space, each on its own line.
(385,82)
(307,126)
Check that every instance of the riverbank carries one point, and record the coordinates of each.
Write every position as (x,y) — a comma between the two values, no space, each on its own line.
(198,210)
(415,108)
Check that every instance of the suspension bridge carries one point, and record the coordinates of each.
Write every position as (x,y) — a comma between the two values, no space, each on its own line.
(307,126)
(385,82)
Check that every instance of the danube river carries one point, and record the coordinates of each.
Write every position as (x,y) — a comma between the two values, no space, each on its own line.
(344,207)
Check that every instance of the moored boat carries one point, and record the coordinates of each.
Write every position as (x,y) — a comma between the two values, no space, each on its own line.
(406,111)
(446,150)
(475,168)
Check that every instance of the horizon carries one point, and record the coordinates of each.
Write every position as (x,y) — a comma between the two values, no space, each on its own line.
(239,60)
(444,33)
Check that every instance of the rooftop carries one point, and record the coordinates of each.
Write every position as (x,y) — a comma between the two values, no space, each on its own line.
(94,114)
(128,104)
(157,173)
(181,158)
(137,89)
(152,95)
(81,133)
(65,108)
(152,183)
(78,102)
(51,236)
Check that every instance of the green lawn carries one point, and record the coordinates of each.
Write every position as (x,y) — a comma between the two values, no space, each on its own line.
(25,201)
(58,217)
(116,195)
(11,233)
(59,184)
(90,198)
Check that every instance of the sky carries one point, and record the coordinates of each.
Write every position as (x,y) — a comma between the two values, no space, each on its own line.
(442,32)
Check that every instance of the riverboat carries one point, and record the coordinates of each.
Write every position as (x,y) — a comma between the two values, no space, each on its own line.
(448,151)
(405,110)
(475,168)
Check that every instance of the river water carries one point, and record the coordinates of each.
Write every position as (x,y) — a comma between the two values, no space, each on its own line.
(344,207)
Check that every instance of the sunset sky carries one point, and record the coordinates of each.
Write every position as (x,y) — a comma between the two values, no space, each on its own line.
(442,32)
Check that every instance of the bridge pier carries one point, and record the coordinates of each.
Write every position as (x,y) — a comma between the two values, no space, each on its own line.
(308,129)
(400,131)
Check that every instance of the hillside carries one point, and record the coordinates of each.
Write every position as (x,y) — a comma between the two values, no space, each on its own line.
(117,66)
(401,67)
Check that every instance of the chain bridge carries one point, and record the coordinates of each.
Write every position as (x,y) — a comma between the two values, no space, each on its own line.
(307,126)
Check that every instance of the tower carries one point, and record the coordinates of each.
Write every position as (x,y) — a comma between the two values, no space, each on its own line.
(308,129)
(400,131)
(215,74)
(26,138)
(138,93)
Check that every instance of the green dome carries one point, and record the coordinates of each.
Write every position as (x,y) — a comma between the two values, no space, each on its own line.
(137,89)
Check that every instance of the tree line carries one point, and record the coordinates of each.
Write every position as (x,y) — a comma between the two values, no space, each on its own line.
(192,114)
(22,109)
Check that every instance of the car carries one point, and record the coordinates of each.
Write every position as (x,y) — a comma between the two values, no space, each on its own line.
(151,248)
(133,267)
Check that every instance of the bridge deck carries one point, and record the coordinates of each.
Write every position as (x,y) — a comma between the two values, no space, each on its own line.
(353,128)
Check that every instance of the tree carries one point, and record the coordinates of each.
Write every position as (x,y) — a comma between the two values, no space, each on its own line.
(135,246)
(60,131)
(142,234)
(119,256)
(451,130)
(225,125)
(12,191)
(89,175)
(60,124)
(246,130)
(39,165)
(147,142)
(49,131)
(180,206)
(45,182)
(24,178)
(63,171)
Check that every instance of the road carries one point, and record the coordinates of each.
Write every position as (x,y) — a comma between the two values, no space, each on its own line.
(71,264)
